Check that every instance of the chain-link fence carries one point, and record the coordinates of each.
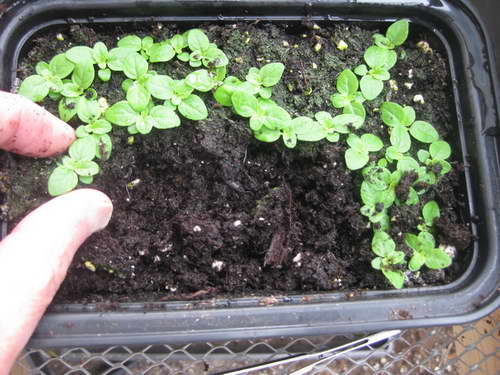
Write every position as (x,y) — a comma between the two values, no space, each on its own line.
(469,349)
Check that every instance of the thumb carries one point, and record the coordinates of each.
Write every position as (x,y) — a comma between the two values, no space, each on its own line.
(34,259)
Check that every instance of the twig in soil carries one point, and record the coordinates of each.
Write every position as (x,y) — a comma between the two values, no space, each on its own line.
(303,74)
(128,193)
(279,248)
(245,157)
(277,251)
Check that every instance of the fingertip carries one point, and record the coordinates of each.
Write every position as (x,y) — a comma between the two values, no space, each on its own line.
(28,129)
(99,204)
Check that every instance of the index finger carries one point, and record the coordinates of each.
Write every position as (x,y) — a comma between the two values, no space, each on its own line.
(28,129)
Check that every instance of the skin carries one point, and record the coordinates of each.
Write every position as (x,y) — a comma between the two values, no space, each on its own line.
(36,254)
(28,129)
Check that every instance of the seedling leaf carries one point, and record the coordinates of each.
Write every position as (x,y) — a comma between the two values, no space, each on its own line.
(430,212)
(347,82)
(424,132)
(62,180)
(270,74)
(193,108)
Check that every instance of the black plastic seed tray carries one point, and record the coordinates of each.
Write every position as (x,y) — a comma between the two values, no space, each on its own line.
(472,296)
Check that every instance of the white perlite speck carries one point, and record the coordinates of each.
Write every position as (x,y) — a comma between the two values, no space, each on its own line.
(218,265)
(419,99)
(237,223)
(196,228)
(448,249)
(342,46)
(297,258)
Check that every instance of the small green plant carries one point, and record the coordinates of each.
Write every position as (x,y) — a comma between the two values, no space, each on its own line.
(202,51)
(388,258)
(357,155)
(348,97)
(378,63)
(340,124)
(48,78)
(425,252)
(79,165)
(264,78)
(435,159)
(378,194)
(154,52)
(430,212)
(160,117)
(395,35)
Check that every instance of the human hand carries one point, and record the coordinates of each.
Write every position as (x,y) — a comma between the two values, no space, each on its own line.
(35,256)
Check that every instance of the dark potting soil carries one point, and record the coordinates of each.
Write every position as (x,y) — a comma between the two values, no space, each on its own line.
(213,211)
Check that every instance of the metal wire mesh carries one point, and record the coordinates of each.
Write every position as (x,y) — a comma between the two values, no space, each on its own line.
(471,349)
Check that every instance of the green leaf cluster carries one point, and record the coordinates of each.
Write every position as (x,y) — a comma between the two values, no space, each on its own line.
(376,70)
(395,35)
(382,177)
(159,116)
(151,51)
(425,252)
(49,78)
(378,194)
(347,96)
(151,100)
(264,78)
(78,166)
(357,155)
(388,258)
(202,51)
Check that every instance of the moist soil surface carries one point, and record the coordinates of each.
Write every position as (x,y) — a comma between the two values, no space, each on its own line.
(215,212)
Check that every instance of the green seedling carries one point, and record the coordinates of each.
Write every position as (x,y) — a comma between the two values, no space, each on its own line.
(89,112)
(83,59)
(378,194)
(154,52)
(189,105)
(425,252)
(341,124)
(395,35)
(388,258)
(100,54)
(264,78)
(378,63)
(357,155)
(160,117)
(306,129)
(435,158)
(48,78)
(229,86)
(178,94)
(430,212)
(202,80)
(202,51)
(348,94)
(267,120)
(78,166)
(67,108)
(401,121)
(178,43)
